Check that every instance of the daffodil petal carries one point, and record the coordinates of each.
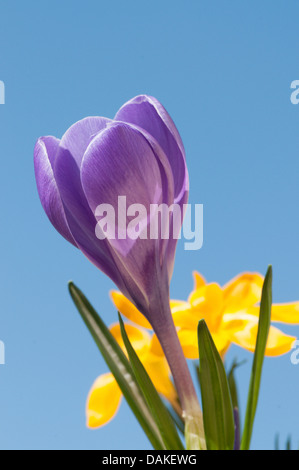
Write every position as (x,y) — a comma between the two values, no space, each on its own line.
(243,332)
(139,338)
(281,313)
(189,342)
(243,291)
(199,280)
(185,318)
(159,372)
(286,313)
(207,304)
(155,347)
(103,401)
(278,342)
(178,305)
(126,308)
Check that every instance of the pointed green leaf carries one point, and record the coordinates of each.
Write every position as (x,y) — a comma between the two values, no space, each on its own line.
(232,383)
(159,412)
(118,365)
(235,401)
(258,360)
(217,405)
(289,443)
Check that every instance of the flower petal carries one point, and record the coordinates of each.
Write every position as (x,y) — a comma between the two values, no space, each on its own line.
(155,347)
(103,401)
(44,156)
(199,280)
(189,342)
(115,158)
(286,313)
(79,135)
(128,309)
(149,114)
(281,313)
(178,305)
(207,304)
(243,291)
(159,373)
(80,218)
(139,338)
(184,317)
(242,330)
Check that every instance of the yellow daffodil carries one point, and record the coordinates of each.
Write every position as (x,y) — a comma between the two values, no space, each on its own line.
(231,313)
(105,395)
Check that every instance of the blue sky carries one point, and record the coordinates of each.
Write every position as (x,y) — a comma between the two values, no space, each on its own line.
(223,71)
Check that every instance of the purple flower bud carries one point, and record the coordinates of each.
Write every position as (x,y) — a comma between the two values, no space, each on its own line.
(138,156)
(137,160)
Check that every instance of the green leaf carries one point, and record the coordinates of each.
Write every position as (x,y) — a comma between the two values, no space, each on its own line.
(235,401)
(258,360)
(233,387)
(217,405)
(158,410)
(289,443)
(119,366)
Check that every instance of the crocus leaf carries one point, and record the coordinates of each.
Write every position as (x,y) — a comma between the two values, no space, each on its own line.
(232,382)
(257,366)
(289,443)
(218,415)
(235,401)
(119,366)
(159,412)
(233,385)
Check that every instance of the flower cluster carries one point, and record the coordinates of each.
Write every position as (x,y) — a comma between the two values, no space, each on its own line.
(232,315)
(138,157)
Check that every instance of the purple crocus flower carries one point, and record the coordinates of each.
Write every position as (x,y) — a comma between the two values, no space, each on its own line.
(139,154)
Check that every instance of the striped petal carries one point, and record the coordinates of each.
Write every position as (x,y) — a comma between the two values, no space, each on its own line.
(44,157)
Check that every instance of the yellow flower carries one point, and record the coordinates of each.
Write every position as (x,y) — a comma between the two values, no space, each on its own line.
(231,313)
(105,395)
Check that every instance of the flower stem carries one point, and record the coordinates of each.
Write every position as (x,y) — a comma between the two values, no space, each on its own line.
(192,415)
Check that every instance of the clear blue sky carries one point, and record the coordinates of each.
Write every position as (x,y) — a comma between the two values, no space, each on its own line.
(223,71)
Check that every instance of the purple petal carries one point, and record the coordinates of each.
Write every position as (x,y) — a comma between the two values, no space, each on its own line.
(149,114)
(120,161)
(78,136)
(44,156)
(80,218)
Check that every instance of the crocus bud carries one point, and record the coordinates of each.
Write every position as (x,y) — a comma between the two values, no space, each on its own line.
(104,172)
(133,162)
